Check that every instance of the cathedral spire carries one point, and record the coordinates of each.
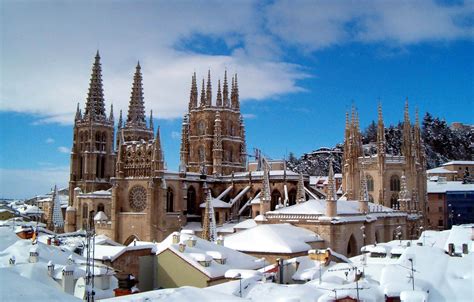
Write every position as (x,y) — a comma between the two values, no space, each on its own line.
(380,132)
(235,94)
(193,97)
(225,90)
(209,231)
(136,107)
(95,104)
(120,121)
(203,95)
(209,90)
(152,127)
(111,115)
(78,113)
(407,134)
(158,161)
(219,94)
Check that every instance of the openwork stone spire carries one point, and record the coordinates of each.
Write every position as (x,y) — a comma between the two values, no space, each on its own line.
(95,104)
(209,230)
(235,94)
(225,91)
(300,194)
(202,103)
(57,221)
(219,94)
(120,121)
(331,202)
(152,126)
(78,113)
(209,90)
(364,194)
(193,96)
(136,108)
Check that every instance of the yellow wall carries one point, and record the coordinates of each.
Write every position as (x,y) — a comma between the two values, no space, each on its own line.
(172,271)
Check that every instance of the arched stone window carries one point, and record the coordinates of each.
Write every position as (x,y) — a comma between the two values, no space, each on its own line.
(351,247)
(395,183)
(191,200)
(370,183)
(276,195)
(169,200)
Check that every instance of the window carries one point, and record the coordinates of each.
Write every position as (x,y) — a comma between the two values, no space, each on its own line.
(395,183)
(440,196)
(191,200)
(100,207)
(394,202)
(292,197)
(440,222)
(169,200)
(440,209)
(370,183)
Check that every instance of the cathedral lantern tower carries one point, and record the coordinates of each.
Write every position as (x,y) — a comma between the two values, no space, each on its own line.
(92,154)
(213,139)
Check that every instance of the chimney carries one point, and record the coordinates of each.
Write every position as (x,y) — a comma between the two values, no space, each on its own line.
(182,247)
(220,240)
(33,254)
(451,249)
(68,279)
(50,268)
(465,249)
(191,242)
(175,238)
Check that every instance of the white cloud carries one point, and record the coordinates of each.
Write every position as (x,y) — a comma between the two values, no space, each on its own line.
(39,79)
(24,183)
(49,140)
(319,24)
(63,149)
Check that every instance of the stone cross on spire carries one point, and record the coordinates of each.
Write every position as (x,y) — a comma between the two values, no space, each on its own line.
(95,104)
(136,107)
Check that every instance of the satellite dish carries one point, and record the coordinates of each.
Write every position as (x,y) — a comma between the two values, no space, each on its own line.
(80,289)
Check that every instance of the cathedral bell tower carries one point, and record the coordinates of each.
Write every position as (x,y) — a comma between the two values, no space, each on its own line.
(92,154)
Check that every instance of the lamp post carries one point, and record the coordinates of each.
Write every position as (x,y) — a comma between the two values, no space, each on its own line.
(421,230)
(412,274)
(240,283)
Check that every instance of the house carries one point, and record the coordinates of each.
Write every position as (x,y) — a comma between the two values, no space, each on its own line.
(204,263)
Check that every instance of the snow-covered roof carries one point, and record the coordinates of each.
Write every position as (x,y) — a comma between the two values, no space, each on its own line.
(246,224)
(204,249)
(459,162)
(100,216)
(448,186)
(97,194)
(108,252)
(30,210)
(440,170)
(216,203)
(318,207)
(272,238)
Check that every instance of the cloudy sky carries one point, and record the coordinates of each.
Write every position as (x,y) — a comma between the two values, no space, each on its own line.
(301,65)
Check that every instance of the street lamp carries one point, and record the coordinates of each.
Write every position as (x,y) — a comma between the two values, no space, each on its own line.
(362,228)
(421,230)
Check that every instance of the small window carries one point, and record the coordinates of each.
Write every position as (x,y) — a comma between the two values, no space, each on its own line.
(440,222)
(440,209)
(370,183)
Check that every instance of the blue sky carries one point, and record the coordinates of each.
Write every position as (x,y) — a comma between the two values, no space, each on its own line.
(301,65)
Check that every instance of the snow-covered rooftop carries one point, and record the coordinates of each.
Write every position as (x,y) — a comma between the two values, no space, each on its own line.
(448,186)
(272,238)
(440,170)
(459,162)
(216,203)
(206,250)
